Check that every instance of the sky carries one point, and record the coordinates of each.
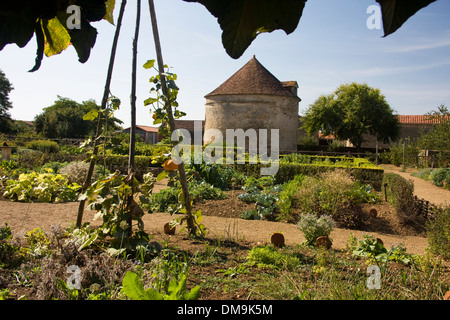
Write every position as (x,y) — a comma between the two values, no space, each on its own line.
(332,45)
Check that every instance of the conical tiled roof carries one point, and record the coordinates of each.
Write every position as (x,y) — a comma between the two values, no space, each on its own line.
(252,78)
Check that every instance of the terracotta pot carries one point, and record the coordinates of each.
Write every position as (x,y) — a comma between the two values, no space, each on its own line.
(373,213)
(447,296)
(169,165)
(277,239)
(168,229)
(323,241)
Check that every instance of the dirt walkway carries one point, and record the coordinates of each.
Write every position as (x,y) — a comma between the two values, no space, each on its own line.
(422,188)
(23,217)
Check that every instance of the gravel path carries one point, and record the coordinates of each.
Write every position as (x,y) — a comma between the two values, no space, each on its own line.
(422,188)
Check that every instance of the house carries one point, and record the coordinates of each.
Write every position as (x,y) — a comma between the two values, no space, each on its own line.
(149,134)
(412,126)
(254,99)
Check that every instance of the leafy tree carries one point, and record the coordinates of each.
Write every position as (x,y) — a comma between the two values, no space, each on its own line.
(438,138)
(352,111)
(64,119)
(5,118)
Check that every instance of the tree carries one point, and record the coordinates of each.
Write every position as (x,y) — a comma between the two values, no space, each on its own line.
(352,111)
(5,118)
(438,138)
(64,119)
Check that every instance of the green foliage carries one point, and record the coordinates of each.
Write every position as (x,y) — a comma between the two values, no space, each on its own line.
(438,138)
(66,118)
(423,173)
(167,200)
(41,187)
(134,289)
(220,176)
(46,146)
(325,194)
(6,123)
(400,194)
(440,177)
(77,171)
(114,200)
(411,151)
(313,226)
(360,169)
(273,258)
(439,233)
(265,200)
(352,111)
(375,252)
(49,23)
(286,196)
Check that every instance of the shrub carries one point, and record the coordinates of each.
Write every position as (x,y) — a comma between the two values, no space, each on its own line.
(77,171)
(54,166)
(46,146)
(324,194)
(286,197)
(439,233)
(400,194)
(440,176)
(43,187)
(220,176)
(422,174)
(314,226)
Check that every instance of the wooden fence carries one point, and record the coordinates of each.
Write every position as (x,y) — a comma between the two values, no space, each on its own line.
(424,208)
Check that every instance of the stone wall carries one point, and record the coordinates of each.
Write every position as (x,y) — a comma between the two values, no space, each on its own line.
(254,112)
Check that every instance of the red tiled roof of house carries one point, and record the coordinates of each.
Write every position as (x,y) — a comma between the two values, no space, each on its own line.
(147,128)
(419,119)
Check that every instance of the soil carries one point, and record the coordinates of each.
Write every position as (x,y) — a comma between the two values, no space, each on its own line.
(221,217)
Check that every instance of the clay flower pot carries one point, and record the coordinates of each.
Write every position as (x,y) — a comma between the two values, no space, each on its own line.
(323,241)
(447,296)
(169,165)
(373,213)
(168,229)
(277,239)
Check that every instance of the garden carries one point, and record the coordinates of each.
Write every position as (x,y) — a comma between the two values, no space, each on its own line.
(128,253)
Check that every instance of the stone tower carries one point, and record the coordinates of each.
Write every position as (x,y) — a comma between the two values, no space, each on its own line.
(253,98)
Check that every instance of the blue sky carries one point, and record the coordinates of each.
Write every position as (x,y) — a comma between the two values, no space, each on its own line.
(331,45)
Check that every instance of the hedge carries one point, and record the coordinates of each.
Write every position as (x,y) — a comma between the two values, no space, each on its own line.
(287,171)
(400,194)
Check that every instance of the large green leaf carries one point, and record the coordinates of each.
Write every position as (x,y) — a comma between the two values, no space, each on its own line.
(19,20)
(57,38)
(396,12)
(243,20)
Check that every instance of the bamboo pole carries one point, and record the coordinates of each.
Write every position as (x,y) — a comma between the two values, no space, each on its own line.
(106,92)
(171,122)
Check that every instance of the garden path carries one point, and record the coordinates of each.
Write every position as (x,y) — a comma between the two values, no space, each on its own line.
(422,188)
